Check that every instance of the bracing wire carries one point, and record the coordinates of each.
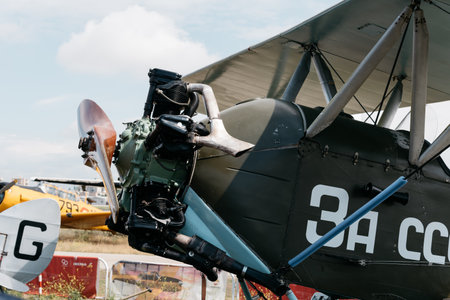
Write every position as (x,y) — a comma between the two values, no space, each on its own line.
(392,72)
(376,107)
(342,80)
(441,2)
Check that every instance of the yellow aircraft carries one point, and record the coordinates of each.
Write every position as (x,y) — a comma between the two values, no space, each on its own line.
(74,214)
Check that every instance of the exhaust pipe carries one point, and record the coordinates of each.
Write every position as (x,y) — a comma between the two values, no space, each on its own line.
(219,138)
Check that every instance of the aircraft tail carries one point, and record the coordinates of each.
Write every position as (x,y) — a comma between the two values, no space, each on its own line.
(29,232)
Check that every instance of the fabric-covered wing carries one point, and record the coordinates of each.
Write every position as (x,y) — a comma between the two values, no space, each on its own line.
(85,220)
(344,33)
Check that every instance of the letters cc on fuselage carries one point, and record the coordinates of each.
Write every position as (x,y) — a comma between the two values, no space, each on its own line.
(407,228)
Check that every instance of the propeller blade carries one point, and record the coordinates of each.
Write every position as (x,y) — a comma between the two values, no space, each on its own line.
(92,118)
(98,140)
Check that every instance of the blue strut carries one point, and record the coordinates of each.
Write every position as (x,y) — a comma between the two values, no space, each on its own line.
(395,186)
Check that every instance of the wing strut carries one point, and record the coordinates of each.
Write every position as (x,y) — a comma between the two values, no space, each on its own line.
(362,72)
(325,78)
(393,104)
(302,71)
(439,145)
(298,78)
(419,86)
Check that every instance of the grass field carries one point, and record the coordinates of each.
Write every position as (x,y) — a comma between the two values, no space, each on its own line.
(93,241)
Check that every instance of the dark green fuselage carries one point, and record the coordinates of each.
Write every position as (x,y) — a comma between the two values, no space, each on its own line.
(289,190)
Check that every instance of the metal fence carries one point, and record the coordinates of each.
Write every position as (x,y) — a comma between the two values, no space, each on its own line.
(147,281)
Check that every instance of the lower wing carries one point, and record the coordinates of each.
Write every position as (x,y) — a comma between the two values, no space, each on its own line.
(85,220)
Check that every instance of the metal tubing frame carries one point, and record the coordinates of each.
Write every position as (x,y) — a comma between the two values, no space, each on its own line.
(392,106)
(362,72)
(325,77)
(244,288)
(298,78)
(106,296)
(440,144)
(419,86)
(290,295)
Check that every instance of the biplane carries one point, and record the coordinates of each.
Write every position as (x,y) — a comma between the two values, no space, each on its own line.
(74,214)
(287,187)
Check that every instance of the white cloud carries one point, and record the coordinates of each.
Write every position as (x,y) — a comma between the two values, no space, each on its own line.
(132,41)
(27,157)
(81,8)
(51,100)
(14,147)
(12,32)
(261,33)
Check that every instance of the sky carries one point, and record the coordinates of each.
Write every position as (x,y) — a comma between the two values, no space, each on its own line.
(55,53)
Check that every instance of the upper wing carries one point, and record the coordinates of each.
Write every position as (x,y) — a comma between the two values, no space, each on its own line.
(85,220)
(85,182)
(344,33)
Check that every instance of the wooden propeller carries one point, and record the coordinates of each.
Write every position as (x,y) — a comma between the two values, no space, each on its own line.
(97,140)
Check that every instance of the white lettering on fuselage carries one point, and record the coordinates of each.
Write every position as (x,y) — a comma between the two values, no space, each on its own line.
(427,241)
(337,217)
(407,225)
(328,216)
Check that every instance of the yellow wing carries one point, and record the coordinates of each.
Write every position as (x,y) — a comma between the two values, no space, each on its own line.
(85,220)
(74,214)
